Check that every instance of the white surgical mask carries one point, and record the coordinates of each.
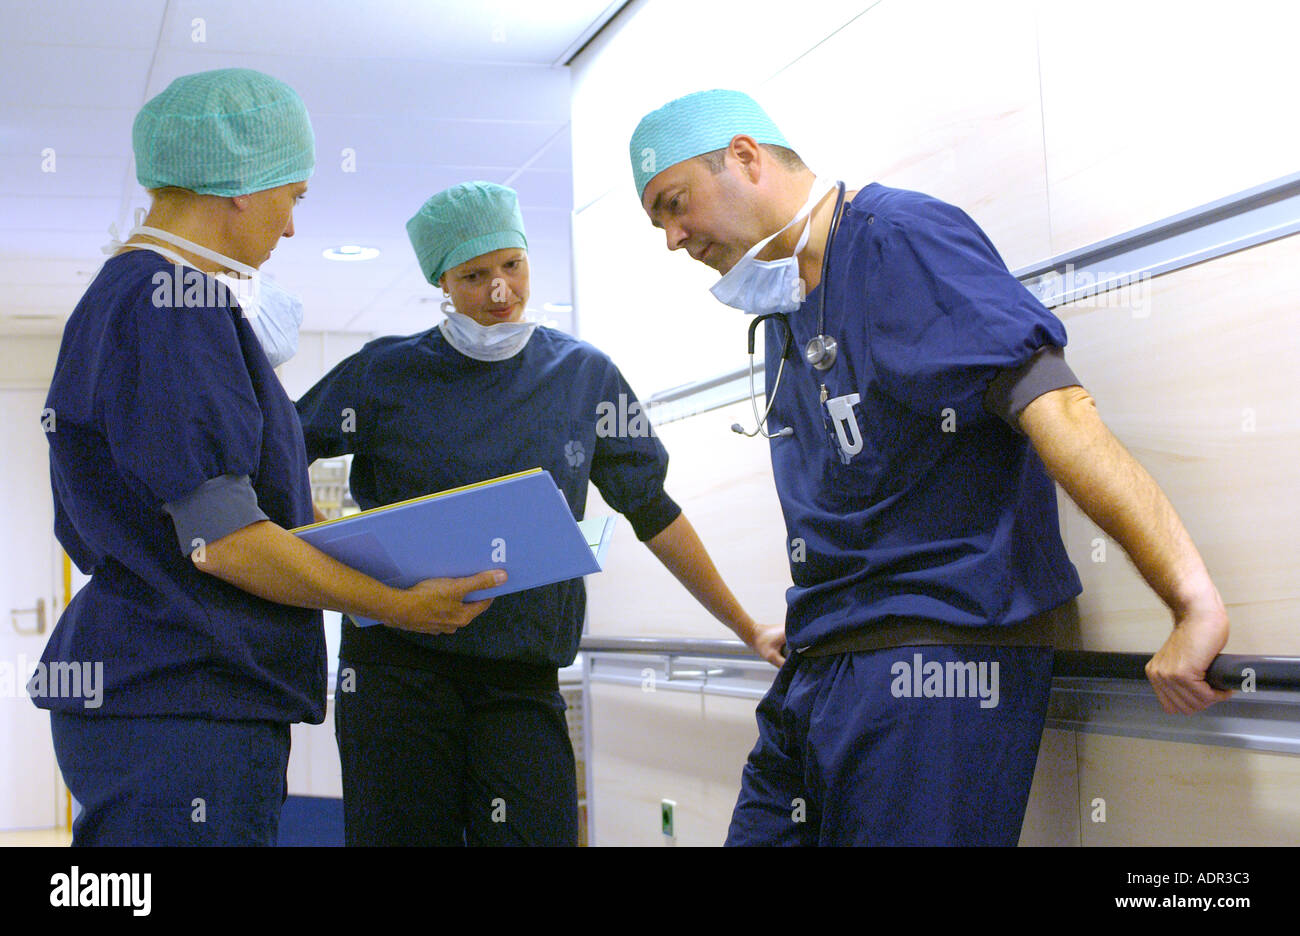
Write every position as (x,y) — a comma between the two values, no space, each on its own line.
(274,313)
(486,342)
(761,287)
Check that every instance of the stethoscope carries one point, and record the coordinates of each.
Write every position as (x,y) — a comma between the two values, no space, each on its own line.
(820,351)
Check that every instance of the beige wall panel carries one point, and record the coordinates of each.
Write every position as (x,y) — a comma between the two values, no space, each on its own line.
(318,352)
(648,309)
(1181,388)
(724,485)
(935,95)
(326,767)
(1153,108)
(298,773)
(314,765)
(1052,816)
(1166,793)
(650,746)
(28,360)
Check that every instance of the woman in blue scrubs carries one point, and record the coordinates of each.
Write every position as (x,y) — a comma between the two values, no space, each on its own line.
(461,738)
(177,466)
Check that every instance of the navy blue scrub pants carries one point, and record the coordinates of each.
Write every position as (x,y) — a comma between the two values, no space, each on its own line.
(430,759)
(851,753)
(165,780)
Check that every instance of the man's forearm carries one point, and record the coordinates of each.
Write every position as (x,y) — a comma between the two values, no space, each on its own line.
(679,548)
(1112,488)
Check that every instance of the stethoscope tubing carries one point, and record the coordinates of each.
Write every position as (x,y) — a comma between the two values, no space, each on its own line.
(826,343)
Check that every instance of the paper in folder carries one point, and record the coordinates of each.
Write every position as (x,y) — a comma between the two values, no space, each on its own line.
(520,523)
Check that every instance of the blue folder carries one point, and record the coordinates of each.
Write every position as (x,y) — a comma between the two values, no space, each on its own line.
(520,523)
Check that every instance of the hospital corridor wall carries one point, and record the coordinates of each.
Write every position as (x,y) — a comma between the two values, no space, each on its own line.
(1056,125)
(32,586)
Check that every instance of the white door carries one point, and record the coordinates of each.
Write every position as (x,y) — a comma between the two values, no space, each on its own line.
(31,573)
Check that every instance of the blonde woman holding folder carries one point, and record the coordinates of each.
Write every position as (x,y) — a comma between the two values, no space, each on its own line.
(177,466)
(461,738)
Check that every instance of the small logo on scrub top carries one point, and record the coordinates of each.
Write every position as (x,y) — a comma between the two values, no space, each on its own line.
(574,453)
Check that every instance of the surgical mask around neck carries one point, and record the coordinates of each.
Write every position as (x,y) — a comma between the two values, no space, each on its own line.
(486,342)
(274,313)
(762,287)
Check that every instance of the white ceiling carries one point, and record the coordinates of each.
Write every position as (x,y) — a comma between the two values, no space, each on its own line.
(426,94)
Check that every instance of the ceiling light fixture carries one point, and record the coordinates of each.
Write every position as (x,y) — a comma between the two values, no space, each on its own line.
(350,252)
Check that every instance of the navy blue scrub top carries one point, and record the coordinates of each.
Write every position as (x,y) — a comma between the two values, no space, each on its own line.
(945,514)
(150,401)
(421,417)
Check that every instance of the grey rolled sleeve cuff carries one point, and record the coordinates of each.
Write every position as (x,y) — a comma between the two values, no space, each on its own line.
(1012,390)
(216,508)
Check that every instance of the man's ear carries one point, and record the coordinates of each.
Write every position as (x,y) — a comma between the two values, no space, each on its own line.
(241,201)
(745,151)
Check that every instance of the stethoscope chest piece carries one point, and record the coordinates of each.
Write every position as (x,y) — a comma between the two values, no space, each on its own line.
(820,352)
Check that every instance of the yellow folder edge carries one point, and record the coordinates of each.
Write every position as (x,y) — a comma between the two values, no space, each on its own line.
(414,500)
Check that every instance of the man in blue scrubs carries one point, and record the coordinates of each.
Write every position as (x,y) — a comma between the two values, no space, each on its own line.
(177,465)
(462,738)
(915,469)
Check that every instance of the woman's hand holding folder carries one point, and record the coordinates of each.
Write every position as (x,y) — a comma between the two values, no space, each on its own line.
(437,606)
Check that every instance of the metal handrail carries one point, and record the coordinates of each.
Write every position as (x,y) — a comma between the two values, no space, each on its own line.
(1228,671)
(678,646)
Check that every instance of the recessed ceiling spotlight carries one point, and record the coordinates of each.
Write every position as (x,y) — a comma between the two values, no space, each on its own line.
(350,252)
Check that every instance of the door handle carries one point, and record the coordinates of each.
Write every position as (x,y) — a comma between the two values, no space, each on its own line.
(39,611)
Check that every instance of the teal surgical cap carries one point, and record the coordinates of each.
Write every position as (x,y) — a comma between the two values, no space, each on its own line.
(226,132)
(693,125)
(464,222)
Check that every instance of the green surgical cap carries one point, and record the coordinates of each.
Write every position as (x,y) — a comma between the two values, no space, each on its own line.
(226,132)
(693,125)
(464,222)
